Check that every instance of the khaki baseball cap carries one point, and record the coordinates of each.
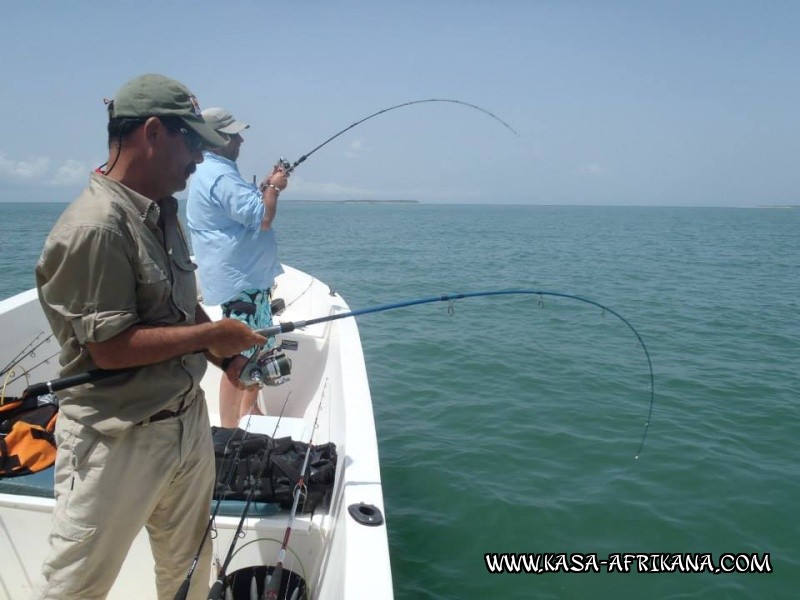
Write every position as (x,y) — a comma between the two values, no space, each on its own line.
(222,120)
(154,95)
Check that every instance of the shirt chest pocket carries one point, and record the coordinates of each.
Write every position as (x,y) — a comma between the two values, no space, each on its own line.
(184,288)
(153,289)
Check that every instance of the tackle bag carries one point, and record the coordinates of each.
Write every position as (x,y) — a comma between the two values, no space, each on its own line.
(27,443)
(270,468)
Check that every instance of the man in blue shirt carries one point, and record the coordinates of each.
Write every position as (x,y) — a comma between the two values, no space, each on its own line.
(230,221)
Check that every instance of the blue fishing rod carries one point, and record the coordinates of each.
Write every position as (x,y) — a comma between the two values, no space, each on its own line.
(274,368)
(292,325)
(289,167)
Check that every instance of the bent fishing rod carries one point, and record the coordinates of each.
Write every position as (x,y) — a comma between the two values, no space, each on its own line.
(98,374)
(289,167)
(292,325)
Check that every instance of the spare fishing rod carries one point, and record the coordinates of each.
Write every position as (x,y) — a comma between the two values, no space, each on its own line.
(273,583)
(183,590)
(218,587)
(292,325)
(28,350)
(289,167)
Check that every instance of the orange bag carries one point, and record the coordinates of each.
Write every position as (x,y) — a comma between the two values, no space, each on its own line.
(27,444)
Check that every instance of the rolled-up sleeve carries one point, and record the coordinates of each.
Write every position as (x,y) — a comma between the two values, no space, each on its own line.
(85,276)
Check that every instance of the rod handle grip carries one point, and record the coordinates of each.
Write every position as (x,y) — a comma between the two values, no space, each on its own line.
(216,590)
(183,591)
(38,389)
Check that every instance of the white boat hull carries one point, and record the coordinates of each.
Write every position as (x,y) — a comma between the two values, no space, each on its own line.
(338,557)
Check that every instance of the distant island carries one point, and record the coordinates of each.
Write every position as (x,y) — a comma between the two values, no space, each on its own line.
(353,201)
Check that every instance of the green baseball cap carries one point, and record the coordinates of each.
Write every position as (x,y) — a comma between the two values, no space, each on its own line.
(154,95)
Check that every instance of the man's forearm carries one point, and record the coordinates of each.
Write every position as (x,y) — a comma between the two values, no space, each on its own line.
(200,316)
(143,345)
(270,199)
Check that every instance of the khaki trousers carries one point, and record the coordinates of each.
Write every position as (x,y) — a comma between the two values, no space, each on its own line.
(158,476)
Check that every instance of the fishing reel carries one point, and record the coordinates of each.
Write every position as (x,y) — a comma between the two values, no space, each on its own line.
(284,165)
(268,368)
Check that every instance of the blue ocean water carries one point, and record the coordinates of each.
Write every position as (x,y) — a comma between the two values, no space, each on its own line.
(511,425)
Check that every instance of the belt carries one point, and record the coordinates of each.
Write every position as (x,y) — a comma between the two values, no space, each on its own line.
(163,414)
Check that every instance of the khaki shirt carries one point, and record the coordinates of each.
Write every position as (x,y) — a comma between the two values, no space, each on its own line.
(109,263)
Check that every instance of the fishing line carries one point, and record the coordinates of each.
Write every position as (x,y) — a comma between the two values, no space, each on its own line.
(303,293)
(449,298)
(289,167)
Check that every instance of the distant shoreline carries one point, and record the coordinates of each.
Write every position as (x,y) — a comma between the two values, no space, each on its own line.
(353,201)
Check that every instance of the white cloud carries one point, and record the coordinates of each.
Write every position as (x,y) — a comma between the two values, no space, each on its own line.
(23,170)
(38,171)
(72,172)
(591,169)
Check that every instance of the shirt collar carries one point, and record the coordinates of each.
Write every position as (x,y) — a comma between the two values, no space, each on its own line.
(147,209)
(208,155)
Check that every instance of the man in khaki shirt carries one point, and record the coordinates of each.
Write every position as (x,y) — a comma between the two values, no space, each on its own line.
(117,285)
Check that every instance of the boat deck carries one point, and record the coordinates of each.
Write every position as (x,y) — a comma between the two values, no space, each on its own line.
(40,485)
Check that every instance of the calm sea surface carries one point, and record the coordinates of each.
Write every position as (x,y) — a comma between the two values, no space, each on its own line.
(512,424)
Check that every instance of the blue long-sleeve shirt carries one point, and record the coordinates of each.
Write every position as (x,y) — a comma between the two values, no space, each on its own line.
(224,215)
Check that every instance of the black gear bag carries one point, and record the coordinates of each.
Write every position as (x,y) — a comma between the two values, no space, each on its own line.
(270,467)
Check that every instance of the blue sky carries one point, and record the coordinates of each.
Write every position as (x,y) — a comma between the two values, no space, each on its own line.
(621,103)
